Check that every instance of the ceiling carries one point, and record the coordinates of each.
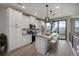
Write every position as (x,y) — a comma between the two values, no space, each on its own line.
(39,9)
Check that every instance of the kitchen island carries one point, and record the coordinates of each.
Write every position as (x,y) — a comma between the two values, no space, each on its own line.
(42,42)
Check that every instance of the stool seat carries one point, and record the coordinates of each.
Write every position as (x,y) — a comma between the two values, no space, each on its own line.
(52,41)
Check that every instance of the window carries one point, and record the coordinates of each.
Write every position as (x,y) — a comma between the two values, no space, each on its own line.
(77,26)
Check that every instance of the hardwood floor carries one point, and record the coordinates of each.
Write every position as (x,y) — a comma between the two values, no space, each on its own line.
(61,49)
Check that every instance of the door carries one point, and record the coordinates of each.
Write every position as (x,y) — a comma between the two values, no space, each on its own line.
(60,28)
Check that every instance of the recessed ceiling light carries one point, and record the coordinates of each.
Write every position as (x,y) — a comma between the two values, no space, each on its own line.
(23,7)
(57,7)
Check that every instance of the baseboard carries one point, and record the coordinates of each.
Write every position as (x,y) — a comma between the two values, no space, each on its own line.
(73,50)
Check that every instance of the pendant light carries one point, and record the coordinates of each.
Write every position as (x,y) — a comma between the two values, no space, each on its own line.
(52,14)
(46,18)
(52,18)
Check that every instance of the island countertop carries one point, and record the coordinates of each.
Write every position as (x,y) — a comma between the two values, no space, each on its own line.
(44,36)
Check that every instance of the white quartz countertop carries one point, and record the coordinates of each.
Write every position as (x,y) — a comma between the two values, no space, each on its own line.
(45,36)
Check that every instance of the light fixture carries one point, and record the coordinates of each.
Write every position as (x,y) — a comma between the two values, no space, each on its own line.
(52,14)
(23,7)
(57,7)
(46,18)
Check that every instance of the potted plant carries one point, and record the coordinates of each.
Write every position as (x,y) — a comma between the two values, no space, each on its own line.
(3,42)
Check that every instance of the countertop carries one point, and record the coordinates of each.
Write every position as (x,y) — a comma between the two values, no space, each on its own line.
(44,36)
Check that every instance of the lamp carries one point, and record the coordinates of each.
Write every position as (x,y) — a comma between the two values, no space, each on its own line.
(52,14)
(46,18)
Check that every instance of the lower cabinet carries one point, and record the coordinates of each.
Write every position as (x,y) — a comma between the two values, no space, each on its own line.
(12,40)
(19,37)
(26,39)
(29,38)
(16,40)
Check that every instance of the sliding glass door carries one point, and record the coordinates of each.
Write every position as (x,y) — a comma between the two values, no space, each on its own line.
(60,28)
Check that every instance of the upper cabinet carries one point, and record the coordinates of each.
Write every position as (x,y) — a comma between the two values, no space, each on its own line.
(34,21)
(12,17)
(25,21)
(15,17)
(38,24)
(19,18)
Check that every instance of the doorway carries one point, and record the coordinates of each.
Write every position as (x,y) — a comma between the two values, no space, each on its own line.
(60,28)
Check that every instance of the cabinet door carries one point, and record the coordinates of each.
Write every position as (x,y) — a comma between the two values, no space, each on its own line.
(15,33)
(12,17)
(27,39)
(32,20)
(25,21)
(12,44)
(19,18)
(24,38)
(37,23)
(19,37)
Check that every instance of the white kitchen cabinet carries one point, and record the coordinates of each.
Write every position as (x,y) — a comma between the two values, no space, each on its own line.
(16,23)
(27,39)
(15,29)
(24,40)
(11,17)
(19,19)
(12,22)
(37,24)
(12,43)
(25,22)
(19,37)
(32,20)
(19,28)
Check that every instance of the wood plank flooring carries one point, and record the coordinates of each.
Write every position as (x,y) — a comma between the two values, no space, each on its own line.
(61,49)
